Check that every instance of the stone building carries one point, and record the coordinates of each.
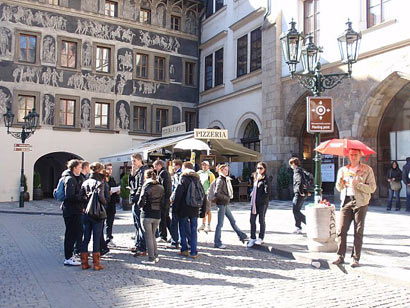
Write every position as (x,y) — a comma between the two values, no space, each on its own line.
(102,74)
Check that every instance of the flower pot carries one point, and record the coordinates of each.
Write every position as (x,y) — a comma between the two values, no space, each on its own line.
(321,228)
(126,205)
(26,196)
(37,194)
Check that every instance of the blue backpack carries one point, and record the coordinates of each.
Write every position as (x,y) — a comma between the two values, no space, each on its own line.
(59,191)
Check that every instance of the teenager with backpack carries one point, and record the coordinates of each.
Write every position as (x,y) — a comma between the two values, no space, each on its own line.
(91,224)
(259,203)
(72,206)
(300,191)
(207,178)
(223,194)
(151,203)
(189,204)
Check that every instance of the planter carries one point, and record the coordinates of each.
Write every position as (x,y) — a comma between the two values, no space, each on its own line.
(26,196)
(321,228)
(37,194)
(284,194)
(126,205)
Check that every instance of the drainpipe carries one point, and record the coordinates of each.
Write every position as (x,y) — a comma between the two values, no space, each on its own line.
(199,56)
(268,5)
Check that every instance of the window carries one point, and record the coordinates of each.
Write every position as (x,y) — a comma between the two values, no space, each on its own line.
(25,104)
(159,68)
(103,59)
(219,67)
(378,11)
(161,119)
(242,56)
(213,6)
(141,65)
(28,48)
(111,8)
(139,118)
(68,54)
(256,49)
(145,16)
(189,73)
(102,114)
(190,120)
(311,19)
(175,23)
(67,112)
(53,2)
(208,72)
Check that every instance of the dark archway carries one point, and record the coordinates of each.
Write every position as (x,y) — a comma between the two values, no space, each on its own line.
(50,167)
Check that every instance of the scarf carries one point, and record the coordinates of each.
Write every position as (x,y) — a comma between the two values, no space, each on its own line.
(229,186)
(253,197)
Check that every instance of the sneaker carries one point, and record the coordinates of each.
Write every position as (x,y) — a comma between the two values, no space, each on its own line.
(202,227)
(111,244)
(156,260)
(208,228)
(161,240)
(251,243)
(194,256)
(148,262)
(338,261)
(172,246)
(184,253)
(298,231)
(221,246)
(259,241)
(71,262)
(354,263)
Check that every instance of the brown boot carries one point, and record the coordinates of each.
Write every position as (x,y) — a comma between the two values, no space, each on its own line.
(96,261)
(84,261)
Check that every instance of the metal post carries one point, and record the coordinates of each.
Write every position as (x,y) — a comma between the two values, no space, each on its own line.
(21,201)
(318,171)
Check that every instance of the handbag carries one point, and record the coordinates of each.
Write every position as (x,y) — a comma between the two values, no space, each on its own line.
(395,185)
(94,207)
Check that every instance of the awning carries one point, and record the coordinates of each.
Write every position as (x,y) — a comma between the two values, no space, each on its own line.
(224,149)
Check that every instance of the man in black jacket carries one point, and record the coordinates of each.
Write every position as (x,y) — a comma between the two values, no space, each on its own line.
(135,182)
(164,178)
(111,207)
(300,193)
(186,212)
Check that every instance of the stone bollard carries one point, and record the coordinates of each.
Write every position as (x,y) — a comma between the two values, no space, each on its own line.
(321,228)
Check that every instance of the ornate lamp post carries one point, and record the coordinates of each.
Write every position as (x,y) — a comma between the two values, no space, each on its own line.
(311,78)
(29,126)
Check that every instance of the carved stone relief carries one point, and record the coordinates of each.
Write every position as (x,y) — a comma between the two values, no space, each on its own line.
(27,74)
(51,77)
(123,115)
(167,43)
(85,113)
(5,101)
(91,82)
(49,49)
(99,30)
(146,87)
(160,15)
(48,109)
(129,10)
(87,54)
(125,60)
(123,77)
(190,23)
(5,42)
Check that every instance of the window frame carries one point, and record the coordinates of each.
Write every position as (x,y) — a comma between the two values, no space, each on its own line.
(218,79)
(148,118)
(216,6)
(255,50)
(116,8)
(154,118)
(157,70)
(57,122)
(245,39)
(315,17)
(186,111)
(382,20)
(111,65)
(111,104)
(49,2)
(14,107)
(60,40)
(37,35)
(148,11)
(208,74)
(137,52)
(172,25)
(184,72)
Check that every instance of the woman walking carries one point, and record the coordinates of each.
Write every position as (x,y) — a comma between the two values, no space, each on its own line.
(394,178)
(96,181)
(259,203)
(150,202)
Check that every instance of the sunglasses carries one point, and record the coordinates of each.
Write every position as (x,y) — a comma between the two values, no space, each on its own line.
(260,168)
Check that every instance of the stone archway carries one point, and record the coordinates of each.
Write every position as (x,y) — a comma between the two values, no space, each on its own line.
(50,167)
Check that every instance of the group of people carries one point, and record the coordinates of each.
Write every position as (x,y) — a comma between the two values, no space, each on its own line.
(395,176)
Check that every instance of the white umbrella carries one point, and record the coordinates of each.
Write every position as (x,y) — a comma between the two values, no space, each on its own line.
(192,144)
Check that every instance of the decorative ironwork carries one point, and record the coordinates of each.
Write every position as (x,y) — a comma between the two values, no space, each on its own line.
(307,81)
(332,80)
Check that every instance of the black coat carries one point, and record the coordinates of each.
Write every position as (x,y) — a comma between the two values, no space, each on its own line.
(180,207)
(221,191)
(297,181)
(164,178)
(263,191)
(114,198)
(135,182)
(151,200)
(73,203)
(95,180)
(395,174)
(406,171)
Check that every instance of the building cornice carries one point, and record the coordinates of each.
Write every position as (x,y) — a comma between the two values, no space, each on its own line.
(230,95)
(101,18)
(248,18)
(221,35)
(214,15)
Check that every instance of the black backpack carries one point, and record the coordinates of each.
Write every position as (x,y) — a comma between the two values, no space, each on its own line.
(195,194)
(308,181)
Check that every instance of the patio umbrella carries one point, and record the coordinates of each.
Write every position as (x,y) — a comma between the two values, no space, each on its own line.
(192,144)
(341,147)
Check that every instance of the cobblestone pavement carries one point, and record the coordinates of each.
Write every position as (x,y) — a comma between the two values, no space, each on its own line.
(32,274)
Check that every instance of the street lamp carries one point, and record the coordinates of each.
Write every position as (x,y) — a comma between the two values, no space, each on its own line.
(29,126)
(311,78)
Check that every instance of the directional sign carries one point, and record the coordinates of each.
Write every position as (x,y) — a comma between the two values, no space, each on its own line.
(22,147)
(320,117)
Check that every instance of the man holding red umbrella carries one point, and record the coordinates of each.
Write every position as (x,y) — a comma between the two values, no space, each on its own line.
(356,183)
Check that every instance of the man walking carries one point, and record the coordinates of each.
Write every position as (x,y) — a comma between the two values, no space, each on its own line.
(135,182)
(406,181)
(188,211)
(164,178)
(300,193)
(223,194)
(356,183)
(206,177)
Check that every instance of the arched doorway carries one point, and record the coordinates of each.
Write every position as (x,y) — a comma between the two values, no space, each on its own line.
(50,167)
(251,141)
(393,137)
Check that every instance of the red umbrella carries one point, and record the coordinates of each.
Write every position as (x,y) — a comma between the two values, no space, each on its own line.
(341,147)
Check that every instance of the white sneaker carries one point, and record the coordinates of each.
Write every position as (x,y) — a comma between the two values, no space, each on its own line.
(221,247)
(71,262)
(208,228)
(156,260)
(111,244)
(298,231)
(251,243)
(202,227)
(259,241)
(148,262)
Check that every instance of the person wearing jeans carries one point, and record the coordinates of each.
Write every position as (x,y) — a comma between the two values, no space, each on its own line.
(188,225)
(300,194)
(223,194)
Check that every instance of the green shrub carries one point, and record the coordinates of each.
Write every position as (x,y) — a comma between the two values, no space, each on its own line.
(284,178)
(36,180)
(124,191)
